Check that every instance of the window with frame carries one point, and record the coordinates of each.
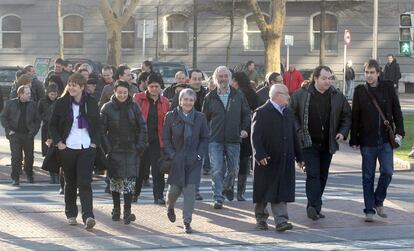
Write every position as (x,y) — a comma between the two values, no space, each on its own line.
(252,36)
(331,32)
(176,32)
(128,34)
(72,32)
(11,29)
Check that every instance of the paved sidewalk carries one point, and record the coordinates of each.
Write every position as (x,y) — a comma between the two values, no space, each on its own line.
(44,228)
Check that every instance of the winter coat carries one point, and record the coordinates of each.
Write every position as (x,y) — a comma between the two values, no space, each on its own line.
(293,80)
(185,166)
(61,121)
(263,95)
(124,162)
(226,123)
(44,109)
(274,136)
(253,101)
(392,72)
(11,114)
(162,108)
(366,121)
(340,116)
(36,90)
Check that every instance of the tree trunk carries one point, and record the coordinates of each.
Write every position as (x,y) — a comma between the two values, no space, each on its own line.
(60,28)
(272,54)
(113,37)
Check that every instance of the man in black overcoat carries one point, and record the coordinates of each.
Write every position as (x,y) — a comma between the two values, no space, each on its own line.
(275,148)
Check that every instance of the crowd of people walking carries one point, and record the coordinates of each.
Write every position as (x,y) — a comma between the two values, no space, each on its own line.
(137,128)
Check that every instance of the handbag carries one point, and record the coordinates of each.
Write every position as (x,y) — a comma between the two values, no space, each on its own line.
(388,128)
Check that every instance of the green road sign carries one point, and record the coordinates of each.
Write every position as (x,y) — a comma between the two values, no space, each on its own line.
(405,47)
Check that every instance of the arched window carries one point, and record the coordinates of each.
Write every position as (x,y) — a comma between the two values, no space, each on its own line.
(252,37)
(176,32)
(331,32)
(72,31)
(11,29)
(128,34)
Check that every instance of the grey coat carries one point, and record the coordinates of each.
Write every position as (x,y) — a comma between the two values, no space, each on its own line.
(185,166)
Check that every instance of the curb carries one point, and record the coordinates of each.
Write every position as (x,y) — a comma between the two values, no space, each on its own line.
(403,164)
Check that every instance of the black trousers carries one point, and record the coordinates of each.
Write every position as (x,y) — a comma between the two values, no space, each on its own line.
(244,165)
(149,158)
(19,143)
(77,169)
(317,162)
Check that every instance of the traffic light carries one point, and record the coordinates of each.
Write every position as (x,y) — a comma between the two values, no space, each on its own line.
(406,34)
(405,48)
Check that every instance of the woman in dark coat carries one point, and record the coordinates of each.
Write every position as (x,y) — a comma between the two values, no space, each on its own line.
(185,137)
(242,83)
(124,139)
(74,128)
(45,111)
(275,147)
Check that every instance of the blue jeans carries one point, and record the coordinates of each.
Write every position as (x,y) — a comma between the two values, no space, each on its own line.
(221,178)
(384,154)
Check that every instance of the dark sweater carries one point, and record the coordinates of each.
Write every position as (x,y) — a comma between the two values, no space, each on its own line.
(319,115)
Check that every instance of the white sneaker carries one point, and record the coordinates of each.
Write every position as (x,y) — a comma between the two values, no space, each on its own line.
(90,223)
(380,212)
(72,221)
(369,217)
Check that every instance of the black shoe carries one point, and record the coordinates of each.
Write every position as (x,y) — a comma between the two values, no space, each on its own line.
(171,214)
(107,190)
(116,214)
(159,201)
(134,198)
(198,196)
(187,228)
(229,194)
(218,205)
(312,214)
(240,197)
(15,183)
(30,179)
(283,226)
(321,216)
(128,217)
(262,225)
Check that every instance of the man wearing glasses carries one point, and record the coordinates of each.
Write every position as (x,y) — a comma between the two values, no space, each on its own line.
(271,79)
(323,118)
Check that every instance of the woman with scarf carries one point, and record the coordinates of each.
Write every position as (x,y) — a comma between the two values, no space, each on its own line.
(74,128)
(185,138)
(124,139)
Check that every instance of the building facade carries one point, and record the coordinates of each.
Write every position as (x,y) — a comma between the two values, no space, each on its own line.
(29,30)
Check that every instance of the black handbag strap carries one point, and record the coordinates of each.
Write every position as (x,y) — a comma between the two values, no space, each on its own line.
(375,102)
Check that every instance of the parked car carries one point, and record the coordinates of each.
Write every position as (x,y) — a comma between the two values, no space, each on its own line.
(7,77)
(167,71)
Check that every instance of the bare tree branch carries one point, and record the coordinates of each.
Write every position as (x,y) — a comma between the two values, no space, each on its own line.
(279,12)
(130,10)
(108,14)
(260,20)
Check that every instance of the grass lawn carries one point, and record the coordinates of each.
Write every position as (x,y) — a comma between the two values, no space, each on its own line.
(407,143)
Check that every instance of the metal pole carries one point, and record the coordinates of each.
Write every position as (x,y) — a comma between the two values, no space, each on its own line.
(143,39)
(195,34)
(344,87)
(287,57)
(375,31)
(156,39)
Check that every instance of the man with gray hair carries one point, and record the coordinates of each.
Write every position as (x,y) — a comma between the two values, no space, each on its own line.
(275,147)
(170,91)
(228,115)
